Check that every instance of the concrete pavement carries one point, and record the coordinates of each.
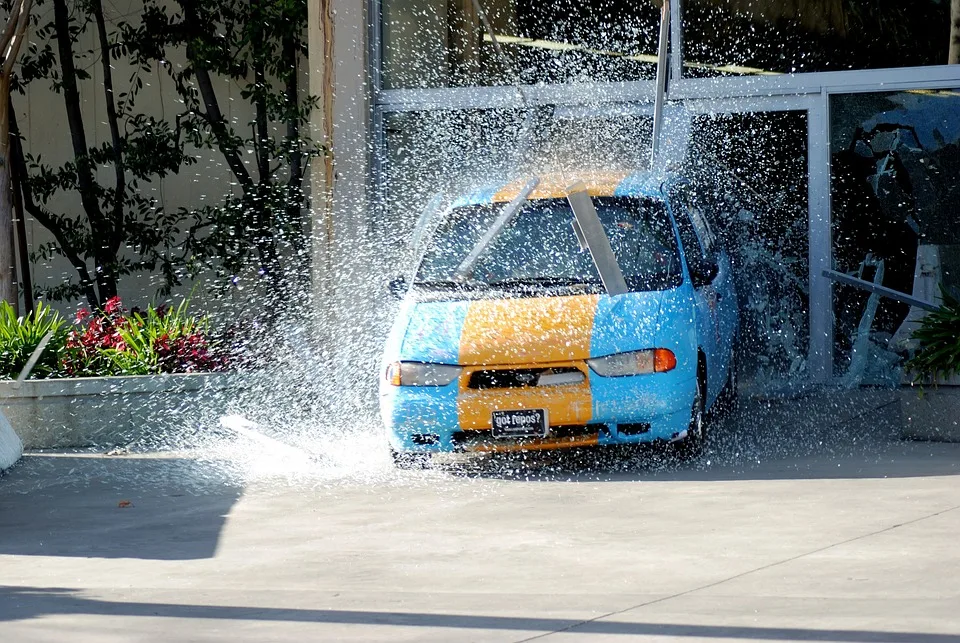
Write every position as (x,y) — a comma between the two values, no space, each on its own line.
(846,540)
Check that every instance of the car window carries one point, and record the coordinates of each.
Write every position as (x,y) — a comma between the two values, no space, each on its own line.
(541,245)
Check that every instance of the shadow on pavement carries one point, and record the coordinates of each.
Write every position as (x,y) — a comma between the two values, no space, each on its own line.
(21,603)
(160,508)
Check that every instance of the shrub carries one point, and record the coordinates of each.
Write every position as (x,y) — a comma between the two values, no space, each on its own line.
(158,340)
(20,336)
(938,355)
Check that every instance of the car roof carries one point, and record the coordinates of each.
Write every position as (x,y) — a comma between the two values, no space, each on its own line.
(554,186)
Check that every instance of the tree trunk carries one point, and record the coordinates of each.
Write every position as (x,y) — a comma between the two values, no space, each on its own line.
(106,261)
(20,228)
(294,207)
(8,291)
(13,35)
(18,166)
(116,221)
(953,55)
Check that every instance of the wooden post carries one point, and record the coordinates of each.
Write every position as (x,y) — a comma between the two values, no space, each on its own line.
(320,35)
(953,56)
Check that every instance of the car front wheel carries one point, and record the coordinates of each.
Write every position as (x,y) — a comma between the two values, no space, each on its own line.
(693,445)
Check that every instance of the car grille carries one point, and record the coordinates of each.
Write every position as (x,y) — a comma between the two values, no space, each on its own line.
(523,377)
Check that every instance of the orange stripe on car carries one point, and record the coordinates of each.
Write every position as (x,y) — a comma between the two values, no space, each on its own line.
(555,186)
(526,333)
(527,330)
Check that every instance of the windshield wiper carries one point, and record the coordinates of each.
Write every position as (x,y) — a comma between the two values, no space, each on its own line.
(450,283)
(544,281)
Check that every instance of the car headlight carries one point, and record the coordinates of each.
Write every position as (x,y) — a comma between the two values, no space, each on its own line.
(654,360)
(421,374)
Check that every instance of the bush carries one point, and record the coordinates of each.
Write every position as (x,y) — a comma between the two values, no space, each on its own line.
(938,355)
(20,336)
(158,340)
(113,341)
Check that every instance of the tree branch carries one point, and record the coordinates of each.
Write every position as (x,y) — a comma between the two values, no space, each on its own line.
(219,127)
(10,31)
(104,259)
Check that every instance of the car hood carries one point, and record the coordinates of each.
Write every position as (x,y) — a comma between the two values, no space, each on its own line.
(528,330)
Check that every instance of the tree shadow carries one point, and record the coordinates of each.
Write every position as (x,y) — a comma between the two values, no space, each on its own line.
(21,603)
(161,508)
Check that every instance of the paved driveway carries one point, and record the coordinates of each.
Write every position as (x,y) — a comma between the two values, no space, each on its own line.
(847,540)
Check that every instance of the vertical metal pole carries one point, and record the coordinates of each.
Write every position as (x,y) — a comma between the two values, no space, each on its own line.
(661,82)
(375,48)
(676,41)
(820,357)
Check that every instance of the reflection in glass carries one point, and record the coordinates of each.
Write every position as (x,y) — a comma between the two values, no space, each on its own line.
(443,43)
(746,37)
(895,187)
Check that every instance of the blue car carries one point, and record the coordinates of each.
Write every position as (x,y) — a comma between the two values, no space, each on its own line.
(551,313)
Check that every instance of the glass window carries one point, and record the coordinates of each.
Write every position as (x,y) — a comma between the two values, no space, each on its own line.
(745,37)
(444,43)
(895,196)
(540,246)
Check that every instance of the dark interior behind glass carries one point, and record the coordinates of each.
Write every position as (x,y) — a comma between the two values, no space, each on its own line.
(540,246)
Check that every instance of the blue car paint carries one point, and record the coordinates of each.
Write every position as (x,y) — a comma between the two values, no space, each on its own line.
(680,319)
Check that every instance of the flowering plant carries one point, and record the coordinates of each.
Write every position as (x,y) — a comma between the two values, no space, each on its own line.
(115,341)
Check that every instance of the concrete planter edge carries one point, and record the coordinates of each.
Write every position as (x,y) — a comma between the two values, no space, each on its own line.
(107,411)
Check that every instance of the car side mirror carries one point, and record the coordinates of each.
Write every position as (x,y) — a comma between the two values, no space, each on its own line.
(704,274)
(398,287)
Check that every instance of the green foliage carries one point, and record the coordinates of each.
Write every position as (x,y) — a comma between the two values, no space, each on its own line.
(147,337)
(114,341)
(20,336)
(259,46)
(939,337)
(255,226)
(108,342)
(121,229)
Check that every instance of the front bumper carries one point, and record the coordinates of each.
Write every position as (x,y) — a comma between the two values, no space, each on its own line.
(601,411)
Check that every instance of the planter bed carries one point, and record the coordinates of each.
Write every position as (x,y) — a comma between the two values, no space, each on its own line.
(109,411)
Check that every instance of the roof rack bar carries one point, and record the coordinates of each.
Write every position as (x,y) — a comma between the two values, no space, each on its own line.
(880,290)
(596,239)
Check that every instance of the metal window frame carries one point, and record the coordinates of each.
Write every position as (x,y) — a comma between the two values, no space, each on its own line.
(809,92)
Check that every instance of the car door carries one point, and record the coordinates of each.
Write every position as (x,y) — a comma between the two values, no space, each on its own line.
(710,274)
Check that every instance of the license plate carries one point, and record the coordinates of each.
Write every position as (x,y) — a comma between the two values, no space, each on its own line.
(526,423)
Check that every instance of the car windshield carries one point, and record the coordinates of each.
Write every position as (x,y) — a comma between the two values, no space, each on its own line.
(540,246)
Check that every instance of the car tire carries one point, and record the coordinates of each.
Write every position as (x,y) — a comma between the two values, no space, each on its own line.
(692,446)
(727,402)
(409,461)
